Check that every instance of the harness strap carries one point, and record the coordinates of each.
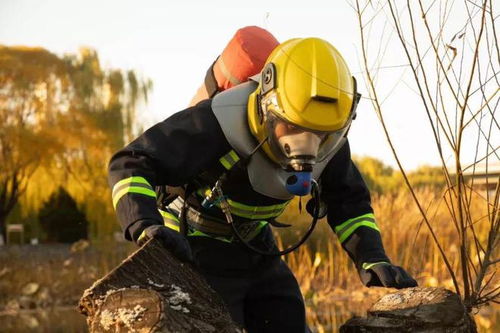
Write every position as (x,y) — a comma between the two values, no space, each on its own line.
(211,82)
(199,224)
(247,211)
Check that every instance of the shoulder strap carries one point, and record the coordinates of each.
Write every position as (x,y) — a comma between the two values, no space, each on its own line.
(211,82)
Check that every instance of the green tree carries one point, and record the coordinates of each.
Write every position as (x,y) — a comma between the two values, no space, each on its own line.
(31,80)
(382,178)
(427,176)
(379,177)
(61,220)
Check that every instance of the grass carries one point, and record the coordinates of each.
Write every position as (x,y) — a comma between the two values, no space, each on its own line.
(327,276)
(58,274)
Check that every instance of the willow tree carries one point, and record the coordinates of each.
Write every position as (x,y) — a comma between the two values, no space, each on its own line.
(61,117)
(33,83)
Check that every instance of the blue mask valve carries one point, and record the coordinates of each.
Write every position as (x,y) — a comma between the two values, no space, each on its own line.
(299,183)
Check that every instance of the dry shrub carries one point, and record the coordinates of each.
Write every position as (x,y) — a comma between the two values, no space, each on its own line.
(323,268)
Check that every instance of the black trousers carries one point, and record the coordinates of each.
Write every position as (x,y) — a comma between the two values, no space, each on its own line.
(261,293)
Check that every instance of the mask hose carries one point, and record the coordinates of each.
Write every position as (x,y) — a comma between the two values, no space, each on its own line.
(313,188)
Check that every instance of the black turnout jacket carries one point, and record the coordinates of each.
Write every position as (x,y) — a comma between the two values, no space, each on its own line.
(177,150)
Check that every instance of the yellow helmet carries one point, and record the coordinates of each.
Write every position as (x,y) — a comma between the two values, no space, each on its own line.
(304,103)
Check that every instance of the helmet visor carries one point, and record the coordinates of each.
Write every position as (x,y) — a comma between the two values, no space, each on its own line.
(295,145)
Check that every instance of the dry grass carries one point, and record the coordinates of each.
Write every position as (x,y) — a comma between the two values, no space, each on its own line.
(327,276)
(53,275)
(323,265)
(328,279)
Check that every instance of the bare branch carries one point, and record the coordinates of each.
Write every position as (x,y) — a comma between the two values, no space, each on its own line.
(373,93)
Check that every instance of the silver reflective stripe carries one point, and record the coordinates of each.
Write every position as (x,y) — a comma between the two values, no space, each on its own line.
(134,184)
(117,189)
(234,81)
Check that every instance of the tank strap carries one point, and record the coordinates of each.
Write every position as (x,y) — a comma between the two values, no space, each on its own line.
(199,224)
(211,84)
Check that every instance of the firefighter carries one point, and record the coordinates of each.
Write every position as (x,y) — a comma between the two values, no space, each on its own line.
(237,160)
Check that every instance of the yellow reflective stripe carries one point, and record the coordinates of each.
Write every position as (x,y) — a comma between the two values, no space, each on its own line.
(344,230)
(256,212)
(234,156)
(256,215)
(168,215)
(141,236)
(225,163)
(250,212)
(197,233)
(120,188)
(349,231)
(367,265)
(257,209)
(345,225)
(170,220)
(172,226)
(261,225)
(229,160)
(134,184)
(132,189)
(134,179)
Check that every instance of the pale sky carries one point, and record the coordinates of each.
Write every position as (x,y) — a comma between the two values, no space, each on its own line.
(174,42)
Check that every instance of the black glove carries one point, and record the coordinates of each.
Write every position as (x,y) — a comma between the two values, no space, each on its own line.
(384,274)
(365,248)
(171,239)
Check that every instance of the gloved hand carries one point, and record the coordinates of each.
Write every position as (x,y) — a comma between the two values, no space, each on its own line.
(384,274)
(171,239)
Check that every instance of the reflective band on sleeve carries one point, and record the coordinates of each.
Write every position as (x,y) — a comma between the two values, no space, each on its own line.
(170,220)
(344,230)
(229,160)
(141,236)
(134,184)
(368,265)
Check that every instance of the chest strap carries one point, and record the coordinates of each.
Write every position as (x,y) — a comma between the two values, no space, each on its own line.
(248,211)
(200,224)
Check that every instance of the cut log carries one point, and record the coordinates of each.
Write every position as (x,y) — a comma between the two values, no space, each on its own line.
(152,291)
(429,310)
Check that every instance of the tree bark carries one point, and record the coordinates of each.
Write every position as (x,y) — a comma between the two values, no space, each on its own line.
(416,310)
(152,291)
(9,196)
